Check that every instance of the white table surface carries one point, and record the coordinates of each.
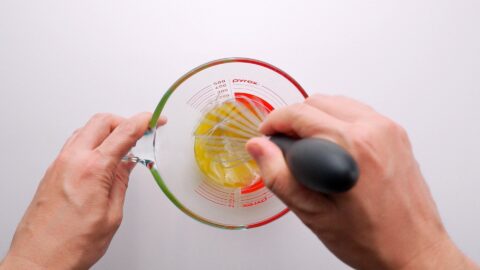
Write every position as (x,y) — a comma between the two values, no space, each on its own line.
(61,61)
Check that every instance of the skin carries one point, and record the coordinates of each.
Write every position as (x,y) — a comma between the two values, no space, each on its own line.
(79,203)
(389,219)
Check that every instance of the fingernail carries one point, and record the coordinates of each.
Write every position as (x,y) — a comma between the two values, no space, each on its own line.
(162,120)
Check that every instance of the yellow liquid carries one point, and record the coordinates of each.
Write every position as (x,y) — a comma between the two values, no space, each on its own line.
(220,150)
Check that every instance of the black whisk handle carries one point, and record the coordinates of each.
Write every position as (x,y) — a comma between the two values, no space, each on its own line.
(318,164)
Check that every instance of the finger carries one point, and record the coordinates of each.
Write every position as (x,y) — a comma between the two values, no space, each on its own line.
(120,185)
(303,121)
(162,120)
(96,130)
(124,137)
(343,108)
(278,179)
(122,176)
(70,140)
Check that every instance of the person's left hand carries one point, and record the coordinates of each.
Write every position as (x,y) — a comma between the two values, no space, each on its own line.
(79,203)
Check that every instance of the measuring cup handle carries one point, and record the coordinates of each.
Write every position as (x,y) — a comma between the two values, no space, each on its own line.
(318,164)
(142,152)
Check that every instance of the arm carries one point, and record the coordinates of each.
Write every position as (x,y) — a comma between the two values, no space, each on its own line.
(389,219)
(78,205)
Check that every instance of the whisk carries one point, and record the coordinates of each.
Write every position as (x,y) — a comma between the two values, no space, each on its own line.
(318,164)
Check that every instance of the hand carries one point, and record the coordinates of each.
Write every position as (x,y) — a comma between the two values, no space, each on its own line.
(79,203)
(389,219)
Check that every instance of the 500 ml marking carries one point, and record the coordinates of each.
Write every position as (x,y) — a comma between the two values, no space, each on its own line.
(219,84)
(221,88)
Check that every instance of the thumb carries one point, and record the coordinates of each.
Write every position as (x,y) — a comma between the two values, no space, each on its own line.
(273,168)
(277,177)
(272,165)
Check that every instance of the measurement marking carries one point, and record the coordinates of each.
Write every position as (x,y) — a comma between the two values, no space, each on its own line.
(263,89)
(214,190)
(230,88)
(203,196)
(253,188)
(257,196)
(206,102)
(217,187)
(236,196)
(277,103)
(275,93)
(213,198)
(202,98)
(193,97)
(216,195)
(255,193)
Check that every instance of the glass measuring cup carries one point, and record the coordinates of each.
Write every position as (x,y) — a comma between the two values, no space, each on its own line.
(171,152)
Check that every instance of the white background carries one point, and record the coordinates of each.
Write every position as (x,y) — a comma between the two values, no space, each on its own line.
(61,61)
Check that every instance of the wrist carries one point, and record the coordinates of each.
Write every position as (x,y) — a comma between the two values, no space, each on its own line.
(442,255)
(19,263)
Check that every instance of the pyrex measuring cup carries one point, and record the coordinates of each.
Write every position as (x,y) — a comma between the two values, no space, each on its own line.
(198,159)
(168,152)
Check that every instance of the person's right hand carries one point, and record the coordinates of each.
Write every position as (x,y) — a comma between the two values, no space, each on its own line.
(389,219)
